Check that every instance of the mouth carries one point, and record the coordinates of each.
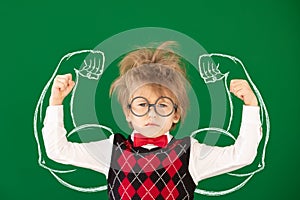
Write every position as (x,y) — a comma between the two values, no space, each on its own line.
(151,124)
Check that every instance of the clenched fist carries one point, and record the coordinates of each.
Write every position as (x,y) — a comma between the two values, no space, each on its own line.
(242,90)
(62,86)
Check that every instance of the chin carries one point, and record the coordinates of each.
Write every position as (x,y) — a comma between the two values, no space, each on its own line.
(150,131)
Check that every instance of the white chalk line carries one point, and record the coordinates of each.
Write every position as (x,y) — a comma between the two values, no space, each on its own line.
(263,111)
(38,117)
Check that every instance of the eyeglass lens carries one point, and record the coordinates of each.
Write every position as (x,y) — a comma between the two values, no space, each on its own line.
(163,106)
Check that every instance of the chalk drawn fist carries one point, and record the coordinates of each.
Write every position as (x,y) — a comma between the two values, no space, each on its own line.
(92,66)
(62,86)
(209,70)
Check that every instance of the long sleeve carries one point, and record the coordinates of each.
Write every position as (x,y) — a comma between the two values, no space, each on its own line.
(207,161)
(92,155)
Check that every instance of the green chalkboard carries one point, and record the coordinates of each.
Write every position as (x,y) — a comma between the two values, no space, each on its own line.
(262,35)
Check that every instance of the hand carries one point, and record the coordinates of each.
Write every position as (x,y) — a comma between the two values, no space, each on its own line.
(209,71)
(62,86)
(241,89)
(93,66)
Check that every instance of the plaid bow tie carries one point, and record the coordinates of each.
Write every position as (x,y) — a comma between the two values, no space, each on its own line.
(140,140)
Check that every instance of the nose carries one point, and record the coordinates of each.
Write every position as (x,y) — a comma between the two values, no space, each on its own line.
(152,112)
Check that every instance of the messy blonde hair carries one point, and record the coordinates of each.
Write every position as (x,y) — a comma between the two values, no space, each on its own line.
(155,66)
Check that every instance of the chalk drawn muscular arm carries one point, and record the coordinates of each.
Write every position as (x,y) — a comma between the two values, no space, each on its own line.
(216,80)
(213,160)
(57,146)
(55,136)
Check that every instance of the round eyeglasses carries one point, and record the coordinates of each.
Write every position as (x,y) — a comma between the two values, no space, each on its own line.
(163,106)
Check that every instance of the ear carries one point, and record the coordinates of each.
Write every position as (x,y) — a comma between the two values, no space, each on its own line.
(126,113)
(128,116)
(176,118)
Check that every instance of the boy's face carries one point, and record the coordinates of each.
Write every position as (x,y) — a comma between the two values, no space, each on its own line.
(152,124)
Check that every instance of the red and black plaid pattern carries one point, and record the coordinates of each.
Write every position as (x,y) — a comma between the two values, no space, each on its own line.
(159,173)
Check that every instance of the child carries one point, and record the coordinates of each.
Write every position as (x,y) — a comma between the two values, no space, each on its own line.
(151,163)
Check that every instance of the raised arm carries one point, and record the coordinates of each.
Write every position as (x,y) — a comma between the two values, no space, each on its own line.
(58,148)
(207,161)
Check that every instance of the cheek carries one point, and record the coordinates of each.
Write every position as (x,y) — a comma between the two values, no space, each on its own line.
(135,121)
(166,124)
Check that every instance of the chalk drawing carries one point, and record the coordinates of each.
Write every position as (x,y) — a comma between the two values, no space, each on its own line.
(210,73)
(92,69)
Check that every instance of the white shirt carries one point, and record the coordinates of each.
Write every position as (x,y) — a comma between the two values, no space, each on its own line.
(205,161)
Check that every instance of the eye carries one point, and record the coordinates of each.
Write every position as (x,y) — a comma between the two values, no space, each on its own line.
(162,105)
(142,104)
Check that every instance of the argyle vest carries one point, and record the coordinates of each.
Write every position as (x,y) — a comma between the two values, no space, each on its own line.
(159,173)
